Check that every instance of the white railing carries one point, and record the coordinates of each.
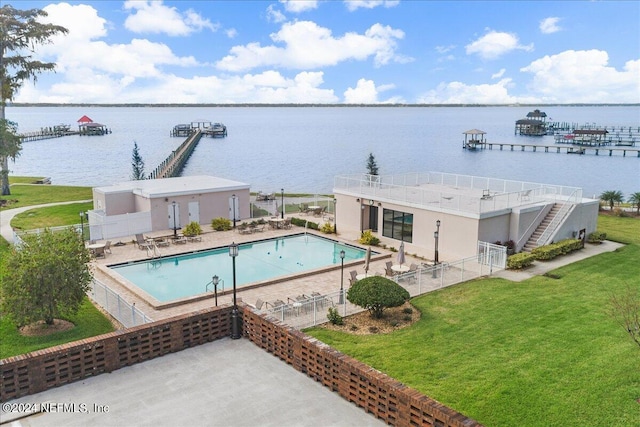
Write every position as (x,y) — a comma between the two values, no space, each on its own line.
(114,304)
(412,189)
(312,310)
(556,221)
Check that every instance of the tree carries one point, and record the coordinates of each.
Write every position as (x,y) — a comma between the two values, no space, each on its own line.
(634,199)
(377,293)
(137,164)
(46,276)
(372,166)
(20,34)
(611,197)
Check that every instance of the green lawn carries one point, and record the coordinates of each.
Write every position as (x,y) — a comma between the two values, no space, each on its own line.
(28,195)
(541,352)
(51,216)
(89,322)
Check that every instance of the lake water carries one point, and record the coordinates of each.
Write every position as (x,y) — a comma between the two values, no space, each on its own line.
(301,149)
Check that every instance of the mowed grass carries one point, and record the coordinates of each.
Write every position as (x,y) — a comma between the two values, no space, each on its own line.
(89,322)
(51,216)
(542,352)
(623,230)
(28,195)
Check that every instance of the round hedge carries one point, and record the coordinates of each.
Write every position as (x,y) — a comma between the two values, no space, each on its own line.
(377,293)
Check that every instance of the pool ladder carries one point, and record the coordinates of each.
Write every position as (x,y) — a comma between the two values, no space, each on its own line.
(153,251)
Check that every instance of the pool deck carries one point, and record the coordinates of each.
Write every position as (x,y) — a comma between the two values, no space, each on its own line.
(321,282)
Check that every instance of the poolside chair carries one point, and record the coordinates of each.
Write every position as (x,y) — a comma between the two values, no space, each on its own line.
(387,270)
(413,272)
(259,304)
(353,278)
(287,223)
(107,246)
(141,242)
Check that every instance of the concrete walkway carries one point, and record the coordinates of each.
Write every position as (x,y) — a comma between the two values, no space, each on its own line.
(7,215)
(230,383)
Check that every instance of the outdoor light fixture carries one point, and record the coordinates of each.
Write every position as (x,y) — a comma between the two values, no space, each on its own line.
(175,227)
(82,225)
(357,200)
(335,217)
(341,298)
(215,280)
(436,235)
(371,202)
(282,207)
(233,196)
(361,219)
(235,318)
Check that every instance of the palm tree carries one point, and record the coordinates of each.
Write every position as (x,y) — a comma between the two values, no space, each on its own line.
(634,199)
(611,197)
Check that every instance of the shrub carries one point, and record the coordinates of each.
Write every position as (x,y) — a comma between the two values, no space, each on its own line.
(407,318)
(619,212)
(221,224)
(520,261)
(334,317)
(553,250)
(407,310)
(377,293)
(301,223)
(192,229)
(596,237)
(367,238)
(328,228)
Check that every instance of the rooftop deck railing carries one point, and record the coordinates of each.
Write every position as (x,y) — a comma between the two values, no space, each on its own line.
(463,193)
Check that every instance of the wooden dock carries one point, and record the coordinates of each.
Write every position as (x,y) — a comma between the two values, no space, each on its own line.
(45,134)
(566,149)
(172,166)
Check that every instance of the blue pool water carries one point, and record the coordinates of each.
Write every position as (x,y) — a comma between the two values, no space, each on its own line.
(182,276)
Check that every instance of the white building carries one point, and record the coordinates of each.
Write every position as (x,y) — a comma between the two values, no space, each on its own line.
(406,208)
(132,207)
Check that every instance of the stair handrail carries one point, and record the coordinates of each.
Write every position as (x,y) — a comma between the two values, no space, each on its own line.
(528,232)
(556,220)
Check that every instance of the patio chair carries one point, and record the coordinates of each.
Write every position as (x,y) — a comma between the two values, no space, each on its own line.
(353,278)
(387,269)
(107,246)
(525,196)
(413,272)
(259,304)
(141,242)
(287,223)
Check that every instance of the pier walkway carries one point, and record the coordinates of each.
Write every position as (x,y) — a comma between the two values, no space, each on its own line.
(172,166)
(567,149)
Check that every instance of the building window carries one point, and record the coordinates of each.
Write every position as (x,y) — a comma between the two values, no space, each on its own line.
(397,225)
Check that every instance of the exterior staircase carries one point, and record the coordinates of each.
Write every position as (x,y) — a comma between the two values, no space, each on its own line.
(532,242)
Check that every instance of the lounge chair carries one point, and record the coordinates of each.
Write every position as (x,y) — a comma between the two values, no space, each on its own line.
(107,246)
(142,242)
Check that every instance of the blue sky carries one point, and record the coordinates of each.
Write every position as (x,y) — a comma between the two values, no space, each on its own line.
(353,52)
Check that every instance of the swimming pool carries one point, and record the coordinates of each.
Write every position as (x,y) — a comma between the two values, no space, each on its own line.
(181,276)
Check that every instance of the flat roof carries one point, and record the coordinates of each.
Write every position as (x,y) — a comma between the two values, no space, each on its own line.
(162,187)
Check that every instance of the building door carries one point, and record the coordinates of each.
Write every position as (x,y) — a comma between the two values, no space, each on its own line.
(174,216)
(373,218)
(194,212)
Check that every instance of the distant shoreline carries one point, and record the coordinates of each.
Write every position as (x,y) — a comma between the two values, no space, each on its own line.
(139,105)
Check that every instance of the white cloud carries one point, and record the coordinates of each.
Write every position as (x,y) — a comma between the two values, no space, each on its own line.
(366,92)
(369,4)
(445,49)
(231,33)
(583,76)
(461,93)
(494,44)
(499,74)
(82,21)
(307,45)
(297,6)
(274,15)
(152,17)
(550,25)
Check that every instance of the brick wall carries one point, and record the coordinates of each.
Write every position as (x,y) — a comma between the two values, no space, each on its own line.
(377,393)
(40,370)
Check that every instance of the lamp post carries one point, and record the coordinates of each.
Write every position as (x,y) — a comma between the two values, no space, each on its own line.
(235,318)
(335,216)
(341,298)
(361,219)
(233,196)
(82,225)
(436,235)
(215,280)
(282,202)
(175,228)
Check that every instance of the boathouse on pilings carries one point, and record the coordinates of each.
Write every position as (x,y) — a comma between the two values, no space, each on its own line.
(590,137)
(474,139)
(92,128)
(534,125)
